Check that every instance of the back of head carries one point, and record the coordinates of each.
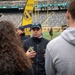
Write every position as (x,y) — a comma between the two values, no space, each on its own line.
(12,56)
(71,9)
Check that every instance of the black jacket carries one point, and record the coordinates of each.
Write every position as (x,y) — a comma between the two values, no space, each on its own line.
(39,45)
(23,37)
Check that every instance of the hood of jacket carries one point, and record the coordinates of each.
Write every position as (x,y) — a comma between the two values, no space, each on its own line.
(69,35)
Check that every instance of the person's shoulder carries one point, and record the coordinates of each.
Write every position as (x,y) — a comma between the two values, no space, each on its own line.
(53,42)
(27,40)
(45,39)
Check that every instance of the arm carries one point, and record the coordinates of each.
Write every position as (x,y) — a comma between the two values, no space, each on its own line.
(25,46)
(49,64)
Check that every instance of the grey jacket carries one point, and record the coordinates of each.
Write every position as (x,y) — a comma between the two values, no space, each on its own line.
(60,54)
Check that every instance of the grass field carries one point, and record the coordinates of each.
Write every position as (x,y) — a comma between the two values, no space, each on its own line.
(47,36)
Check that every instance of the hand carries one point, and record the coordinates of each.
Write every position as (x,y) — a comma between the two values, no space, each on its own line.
(19,31)
(30,54)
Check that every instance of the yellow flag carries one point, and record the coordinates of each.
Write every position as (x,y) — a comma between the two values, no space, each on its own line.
(27,16)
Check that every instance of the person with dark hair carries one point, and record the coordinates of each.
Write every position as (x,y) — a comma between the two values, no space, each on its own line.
(60,52)
(13,60)
(35,49)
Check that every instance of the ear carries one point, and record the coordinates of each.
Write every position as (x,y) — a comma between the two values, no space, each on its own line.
(68,15)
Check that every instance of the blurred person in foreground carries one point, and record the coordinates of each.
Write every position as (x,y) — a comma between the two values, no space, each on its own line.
(13,60)
(60,52)
(35,49)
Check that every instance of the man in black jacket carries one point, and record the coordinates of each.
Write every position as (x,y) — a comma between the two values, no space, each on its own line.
(35,49)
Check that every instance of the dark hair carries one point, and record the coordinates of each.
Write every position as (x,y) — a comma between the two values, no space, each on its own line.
(12,56)
(71,9)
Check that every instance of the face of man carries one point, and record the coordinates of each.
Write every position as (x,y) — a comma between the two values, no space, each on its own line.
(36,32)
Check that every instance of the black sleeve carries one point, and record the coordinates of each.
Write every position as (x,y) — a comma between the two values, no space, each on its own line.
(24,46)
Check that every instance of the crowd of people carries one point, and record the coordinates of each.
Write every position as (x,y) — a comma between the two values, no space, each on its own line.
(36,55)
